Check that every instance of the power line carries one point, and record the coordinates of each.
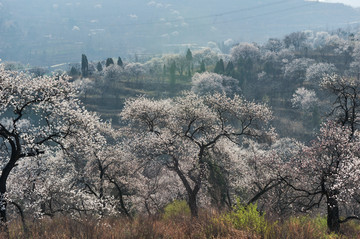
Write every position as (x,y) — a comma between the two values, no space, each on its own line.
(205,16)
(227,13)
(190,18)
(222,14)
(265,14)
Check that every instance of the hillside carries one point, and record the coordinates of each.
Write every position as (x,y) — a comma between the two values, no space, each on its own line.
(57,32)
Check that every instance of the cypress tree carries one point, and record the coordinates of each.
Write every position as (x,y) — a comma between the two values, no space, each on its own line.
(120,62)
(219,67)
(229,71)
(99,66)
(109,62)
(172,73)
(202,67)
(73,71)
(84,65)
(188,61)
(189,55)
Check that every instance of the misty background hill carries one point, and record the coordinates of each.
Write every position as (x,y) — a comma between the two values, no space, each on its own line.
(42,32)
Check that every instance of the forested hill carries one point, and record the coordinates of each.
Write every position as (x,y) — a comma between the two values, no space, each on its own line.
(59,31)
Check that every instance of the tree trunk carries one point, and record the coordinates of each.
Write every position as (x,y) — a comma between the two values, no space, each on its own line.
(4,232)
(3,179)
(21,212)
(192,193)
(3,202)
(193,205)
(333,220)
(15,156)
(3,205)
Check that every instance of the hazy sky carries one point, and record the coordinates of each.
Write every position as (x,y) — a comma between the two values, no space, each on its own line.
(354,3)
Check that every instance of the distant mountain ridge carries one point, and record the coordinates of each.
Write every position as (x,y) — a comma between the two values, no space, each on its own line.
(42,32)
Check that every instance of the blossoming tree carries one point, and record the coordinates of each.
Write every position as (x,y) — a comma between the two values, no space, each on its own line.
(179,133)
(38,117)
(328,171)
(207,82)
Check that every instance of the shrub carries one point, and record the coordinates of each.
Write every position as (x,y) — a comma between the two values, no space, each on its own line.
(178,208)
(304,227)
(247,218)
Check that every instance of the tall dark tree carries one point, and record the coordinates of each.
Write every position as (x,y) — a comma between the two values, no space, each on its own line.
(120,62)
(202,66)
(84,66)
(246,71)
(99,66)
(219,67)
(230,69)
(189,55)
(109,62)
(189,59)
(74,71)
(172,72)
(164,70)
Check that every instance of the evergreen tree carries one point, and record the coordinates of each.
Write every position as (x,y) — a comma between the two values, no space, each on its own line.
(164,70)
(99,66)
(84,65)
(120,62)
(73,71)
(219,67)
(189,73)
(172,71)
(188,61)
(230,69)
(109,62)
(202,67)
(189,55)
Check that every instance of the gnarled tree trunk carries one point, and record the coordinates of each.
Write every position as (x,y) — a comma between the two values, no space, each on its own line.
(333,218)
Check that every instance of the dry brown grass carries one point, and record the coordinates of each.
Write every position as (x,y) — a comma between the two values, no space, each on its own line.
(208,225)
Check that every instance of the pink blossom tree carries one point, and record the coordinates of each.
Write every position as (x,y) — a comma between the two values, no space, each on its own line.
(178,134)
(209,83)
(304,99)
(109,177)
(245,51)
(345,93)
(328,171)
(317,71)
(38,117)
